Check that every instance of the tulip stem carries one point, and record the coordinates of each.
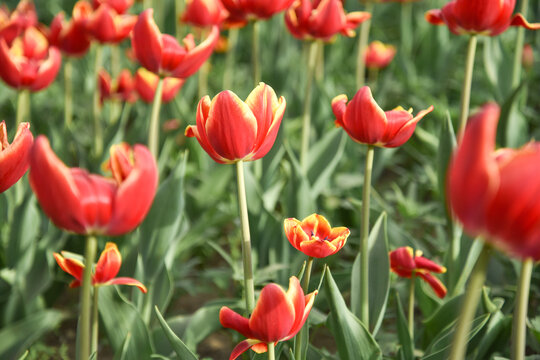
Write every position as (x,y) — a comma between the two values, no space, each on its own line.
(363,38)
(469,305)
(179,9)
(23,106)
(466,89)
(519,328)
(95,323)
(229,59)
(203,74)
(115,107)
(255,52)
(271,351)
(246,240)
(98,130)
(518,54)
(299,341)
(411,307)
(406,29)
(153,134)
(86,302)
(68,93)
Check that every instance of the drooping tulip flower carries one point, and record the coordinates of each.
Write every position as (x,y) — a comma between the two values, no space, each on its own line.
(14,157)
(278,316)
(314,236)
(71,37)
(122,89)
(90,204)
(146,83)
(230,130)
(483,17)
(106,269)
(29,63)
(23,17)
(163,55)
(322,19)
(406,263)
(379,55)
(120,6)
(107,26)
(367,123)
(260,9)
(495,194)
(204,13)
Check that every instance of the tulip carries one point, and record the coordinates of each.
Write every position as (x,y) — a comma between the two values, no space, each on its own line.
(120,6)
(163,55)
(482,17)
(379,55)
(105,271)
(14,156)
(278,316)
(204,13)
(314,237)
(322,19)
(91,204)
(122,89)
(107,26)
(146,84)
(71,37)
(231,130)
(367,123)
(23,17)
(260,9)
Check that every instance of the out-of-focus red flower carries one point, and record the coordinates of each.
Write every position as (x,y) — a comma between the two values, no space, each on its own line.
(483,17)
(122,89)
(163,55)
(106,269)
(23,17)
(91,204)
(379,55)
(322,19)
(204,13)
(527,58)
(495,194)
(120,6)
(367,123)
(29,63)
(278,316)
(314,236)
(107,26)
(146,83)
(14,156)
(261,9)
(71,37)
(406,263)
(230,130)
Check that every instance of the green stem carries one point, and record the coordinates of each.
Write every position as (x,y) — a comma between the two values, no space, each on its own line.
(86,302)
(153,134)
(116,65)
(255,52)
(406,29)
(229,59)
(23,106)
(363,38)
(306,118)
(95,323)
(147,4)
(179,9)
(469,305)
(246,240)
(271,351)
(68,92)
(466,89)
(299,341)
(411,307)
(519,328)
(203,74)
(518,54)
(98,130)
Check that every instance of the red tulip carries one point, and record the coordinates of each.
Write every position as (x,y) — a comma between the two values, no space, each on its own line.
(367,123)
(120,6)
(278,316)
(161,53)
(261,9)
(106,269)
(495,193)
(14,156)
(71,37)
(146,84)
(91,204)
(405,263)
(122,89)
(204,13)
(322,19)
(379,55)
(107,26)
(23,17)
(314,237)
(230,130)
(483,17)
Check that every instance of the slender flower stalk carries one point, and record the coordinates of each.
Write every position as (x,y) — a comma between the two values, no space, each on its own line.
(86,302)
(299,340)
(68,92)
(179,9)
(271,351)
(95,323)
(204,70)
(306,118)
(364,235)
(406,29)
(466,89)
(519,327)
(229,59)
(255,52)
(363,38)
(411,306)
(23,106)
(98,130)
(116,67)
(153,134)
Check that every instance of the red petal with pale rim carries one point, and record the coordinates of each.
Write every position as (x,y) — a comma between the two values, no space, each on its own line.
(406,130)
(197,56)
(436,284)
(10,70)
(402,261)
(71,266)
(364,120)
(243,347)
(308,300)
(296,297)
(14,159)
(294,232)
(426,264)
(108,264)
(232,320)
(48,70)
(126,281)
(270,138)
(339,105)
(147,42)
(327,19)
(519,20)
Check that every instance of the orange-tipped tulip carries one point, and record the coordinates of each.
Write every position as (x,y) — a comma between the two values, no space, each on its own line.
(406,263)
(314,237)
(483,17)
(495,194)
(278,316)
(204,13)
(91,204)
(146,84)
(23,17)
(107,26)
(106,269)
(379,55)
(122,89)
(163,55)
(230,130)
(14,157)
(367,123)
(71,37)
(120,6)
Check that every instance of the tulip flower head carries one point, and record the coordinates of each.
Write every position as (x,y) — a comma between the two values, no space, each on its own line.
(258,9)
(122,89)
(314,237)
(13,24)
(379,55)
(120,6)
(482,17)
(406,263)
(106,25)
(91,204)
(494,194)
(14,156)
(146,84)
(204,13)
(71,37)
(367,123)
(230,130)
(105,271)
(278,316)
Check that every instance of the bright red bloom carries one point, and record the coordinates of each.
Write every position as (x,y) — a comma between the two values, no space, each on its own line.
(261,9)
(314,237)
(495,194)
(14,156)
(405,263)
(483,17)
(278,316)
(107,26)
(379,55)
(23,17)
(71,37)
(322,19)
(146,83)
(204,13)
(122,89)
(29,63)
(91,204)
(367,123)
(106,269)
(163,55)
(120,6)
(230,130)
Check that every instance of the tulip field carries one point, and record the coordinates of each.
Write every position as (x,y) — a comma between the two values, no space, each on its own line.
(256,179)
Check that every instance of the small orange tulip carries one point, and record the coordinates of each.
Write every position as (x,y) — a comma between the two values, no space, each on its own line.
(379,55)
(107,26)
(14,157)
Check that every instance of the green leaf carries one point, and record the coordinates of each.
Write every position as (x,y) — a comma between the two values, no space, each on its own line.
(447,144)
(407,344)
(512,128)
(179,347)
(22,235)
(324,156)
(441,318)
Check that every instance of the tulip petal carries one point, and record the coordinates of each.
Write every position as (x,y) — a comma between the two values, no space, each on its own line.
(308,300)
(436,284)
(108,264)
(402,261)
(426,264)
(364,120)
(261,102)
(71,266)
(10,70)
(271,135)
(405,132)
(47,70)
(171,86)
(339,105)
(318,248)
(519,20)
(242,347)
(232,320)
(296,297)
(294,232)
(126,281)
(197,56)
(327,19)
(147,42)
(14,158)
